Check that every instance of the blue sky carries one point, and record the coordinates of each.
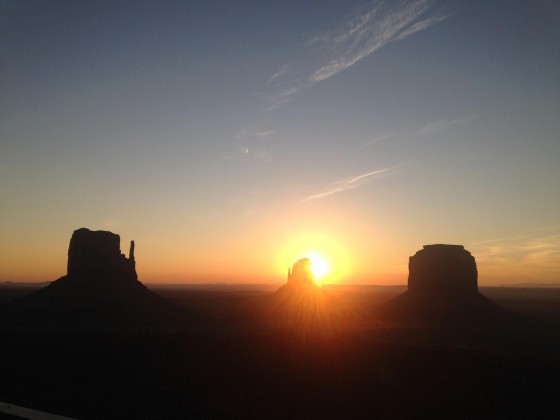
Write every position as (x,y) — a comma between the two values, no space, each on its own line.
(215,132)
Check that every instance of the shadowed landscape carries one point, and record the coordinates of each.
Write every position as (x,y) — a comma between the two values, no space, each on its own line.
(98,344)
(342,209)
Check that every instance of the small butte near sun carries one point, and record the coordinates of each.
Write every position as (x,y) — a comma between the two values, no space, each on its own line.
(330,262)
(320,267)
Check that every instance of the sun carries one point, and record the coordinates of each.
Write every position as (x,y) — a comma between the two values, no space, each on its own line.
(329,258)
(319,265)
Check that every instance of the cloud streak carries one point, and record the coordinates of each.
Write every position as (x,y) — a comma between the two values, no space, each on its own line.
(347,184)
(426,130)
(534,254)
(282,71)
(251,142)
(384,23)
(441,125)
(358,38)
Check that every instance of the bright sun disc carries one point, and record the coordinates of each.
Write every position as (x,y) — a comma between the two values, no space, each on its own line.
(330,261)
(319,265)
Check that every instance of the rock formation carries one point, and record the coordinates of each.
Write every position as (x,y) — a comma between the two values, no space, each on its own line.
(301,274)
(301,280)
(442,269)
(97,255)
(101,289)
(302,309)
(442,289)
(97,268)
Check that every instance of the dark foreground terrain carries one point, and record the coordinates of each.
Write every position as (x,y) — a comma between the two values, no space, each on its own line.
(234,358)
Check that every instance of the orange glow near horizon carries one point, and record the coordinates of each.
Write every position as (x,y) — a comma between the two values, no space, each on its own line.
(329,259)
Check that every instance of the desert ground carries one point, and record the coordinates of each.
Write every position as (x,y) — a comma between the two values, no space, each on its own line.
(230,358)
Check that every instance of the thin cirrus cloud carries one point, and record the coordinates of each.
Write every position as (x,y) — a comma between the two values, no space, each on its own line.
(348,184)
(281,72)
(252,142)
(538,252)
(441,125)
(426,130)
(359,38)
(247,132)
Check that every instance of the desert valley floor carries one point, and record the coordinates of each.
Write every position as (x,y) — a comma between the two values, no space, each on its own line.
(228,359)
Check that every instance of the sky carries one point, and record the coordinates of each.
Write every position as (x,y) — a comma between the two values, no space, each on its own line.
(231,138)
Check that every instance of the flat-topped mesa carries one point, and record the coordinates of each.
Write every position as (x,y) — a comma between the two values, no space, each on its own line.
(97,255)
(301,274)
(443,291)
(101,291)
(443,269)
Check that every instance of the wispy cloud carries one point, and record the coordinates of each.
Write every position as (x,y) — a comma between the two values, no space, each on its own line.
(426,130)
(441,125)
(361,36)
(385,22)
(251,133)
(535,254)
(282,71)
(381,138)
(348,184)
(278,99)
(251,142)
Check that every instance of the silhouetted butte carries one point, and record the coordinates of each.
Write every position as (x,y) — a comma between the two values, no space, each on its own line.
(301,308)
(301,275)
(100,290)
(442,288)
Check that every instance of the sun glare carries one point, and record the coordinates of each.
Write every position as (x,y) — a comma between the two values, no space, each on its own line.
(330,261)
(319,265)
